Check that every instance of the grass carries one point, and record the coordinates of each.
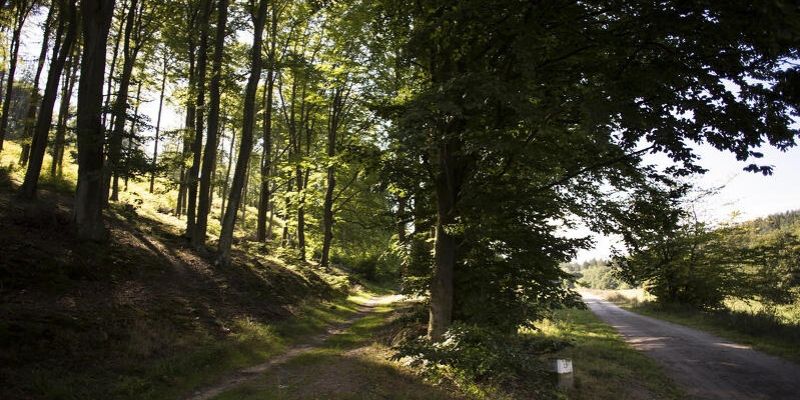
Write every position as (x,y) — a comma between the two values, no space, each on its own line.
(350,365)
(253,343)
(773,330)
(763,331)
(204,359)
(605,366)
(142,316)
(156,205)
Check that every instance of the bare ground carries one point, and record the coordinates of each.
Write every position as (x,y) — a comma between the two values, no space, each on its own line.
(707,366)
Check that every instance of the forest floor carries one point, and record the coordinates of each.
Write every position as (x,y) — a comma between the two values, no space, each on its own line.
(708,367)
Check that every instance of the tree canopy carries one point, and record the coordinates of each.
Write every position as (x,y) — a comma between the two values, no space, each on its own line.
(448,142)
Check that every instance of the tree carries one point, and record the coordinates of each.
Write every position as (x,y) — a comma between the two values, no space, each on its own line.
(210,156)
(56,167)
(164,65)
(266,161)
(504,86)
(138,29)
(65,38)
(21,9)
(259,14)
(89,194)
(197,141)
(30,120)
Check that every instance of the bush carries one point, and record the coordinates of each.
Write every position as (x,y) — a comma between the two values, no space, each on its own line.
(367,268)
(478,353)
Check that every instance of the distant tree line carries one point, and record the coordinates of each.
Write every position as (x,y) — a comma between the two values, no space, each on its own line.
(595,274)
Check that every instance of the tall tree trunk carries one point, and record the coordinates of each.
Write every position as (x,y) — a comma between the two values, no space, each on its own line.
(246,143)
(197,144)
(210,156)
(243,206)
(132,135)
(263,199)
(88,212)
(188,133)
(334,118)
(448,182)
(158,122)
(262,233)
(30,118)
(67,30)
(301,214)
(56,167)
(227,175)
(129,53)
(21,13)
(285,231)
(112,68)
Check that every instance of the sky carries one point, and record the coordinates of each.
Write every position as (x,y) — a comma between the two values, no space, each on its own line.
(747,194)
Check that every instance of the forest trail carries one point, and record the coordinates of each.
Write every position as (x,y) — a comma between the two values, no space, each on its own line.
(250,374)
(708,367)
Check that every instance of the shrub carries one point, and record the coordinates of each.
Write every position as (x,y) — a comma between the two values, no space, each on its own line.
(479,353)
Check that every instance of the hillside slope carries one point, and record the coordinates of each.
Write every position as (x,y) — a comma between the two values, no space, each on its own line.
(142,315)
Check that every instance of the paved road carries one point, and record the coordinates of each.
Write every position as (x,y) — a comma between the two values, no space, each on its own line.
(707,366)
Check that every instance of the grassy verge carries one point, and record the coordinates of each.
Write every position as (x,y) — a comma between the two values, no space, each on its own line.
(762,331)
(349,365)
(205,361)
(774,331)
(605,366)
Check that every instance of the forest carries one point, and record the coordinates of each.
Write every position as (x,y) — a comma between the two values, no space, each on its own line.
(188,178)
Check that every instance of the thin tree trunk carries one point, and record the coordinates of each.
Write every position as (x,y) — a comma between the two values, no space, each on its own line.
(191,110)
(334,117)
(133,133)
(227,175)
(158,123)
(88,212)
(56,167)
(263,199)
(30,118)
(246,143)
(285,233)
(301,214)
(210,156)
(262,233)
(115,53)
(23,8)
(62,48)
(243,206)
(197,144)
(129,52)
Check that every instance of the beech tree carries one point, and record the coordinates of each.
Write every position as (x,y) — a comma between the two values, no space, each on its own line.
(20,10)
(89,194)
(65,39)
(506,85)
(210,156)
(138,29)
(258,12)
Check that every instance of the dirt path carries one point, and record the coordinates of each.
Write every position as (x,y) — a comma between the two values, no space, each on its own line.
(255,371)
(707,366)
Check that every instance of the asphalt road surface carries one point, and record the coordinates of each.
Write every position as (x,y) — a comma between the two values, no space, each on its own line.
(708,367)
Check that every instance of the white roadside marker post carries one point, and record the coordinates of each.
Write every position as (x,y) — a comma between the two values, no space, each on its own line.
(564,373)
